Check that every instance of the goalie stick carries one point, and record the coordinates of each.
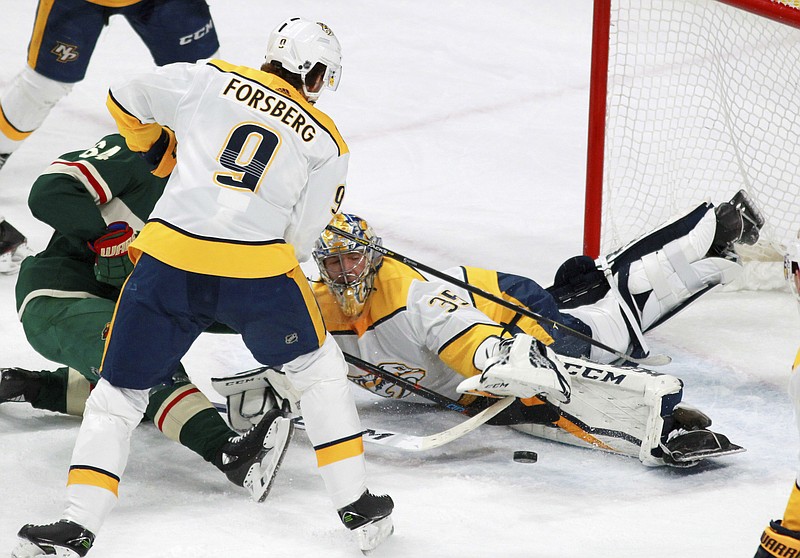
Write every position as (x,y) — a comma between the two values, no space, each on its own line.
(654,360)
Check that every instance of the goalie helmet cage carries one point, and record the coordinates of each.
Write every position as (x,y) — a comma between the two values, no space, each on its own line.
(693,100)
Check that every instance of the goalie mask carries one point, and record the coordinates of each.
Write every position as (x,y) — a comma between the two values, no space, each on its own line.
(310,50)
(791,266)
(345,266)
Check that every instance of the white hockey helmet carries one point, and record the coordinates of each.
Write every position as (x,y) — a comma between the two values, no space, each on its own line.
(310,50)
(791,266)
(345,266)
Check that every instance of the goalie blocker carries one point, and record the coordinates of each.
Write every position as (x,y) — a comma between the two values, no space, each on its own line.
(626,410)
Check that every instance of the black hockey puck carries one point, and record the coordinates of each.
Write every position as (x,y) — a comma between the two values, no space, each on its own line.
(525,456)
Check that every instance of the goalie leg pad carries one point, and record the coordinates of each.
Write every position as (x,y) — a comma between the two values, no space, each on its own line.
(619,409)
(662,272)
(253,393)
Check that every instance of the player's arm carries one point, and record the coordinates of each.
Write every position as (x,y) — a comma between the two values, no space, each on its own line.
(318,202)
(69,193)
(144,108)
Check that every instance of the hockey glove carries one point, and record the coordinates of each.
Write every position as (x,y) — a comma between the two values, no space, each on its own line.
(251,394)
(161,154)
(522,367)
(778,542)
(112,265)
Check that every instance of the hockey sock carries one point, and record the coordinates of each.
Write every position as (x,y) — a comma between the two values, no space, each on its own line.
(185,415)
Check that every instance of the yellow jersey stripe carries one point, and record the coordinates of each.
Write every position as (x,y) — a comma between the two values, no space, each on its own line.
(339,450)
(139,137)
(791,517)
(458,354)
(311,303)
(42,15)
(114,3)
(111,323)
(796,361)
(487,280)
(79,474)
(211,256)
(270,81)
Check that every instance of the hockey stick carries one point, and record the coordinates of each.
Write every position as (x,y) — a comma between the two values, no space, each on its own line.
(655,360)
(421,443)
(409,442)
(414,387)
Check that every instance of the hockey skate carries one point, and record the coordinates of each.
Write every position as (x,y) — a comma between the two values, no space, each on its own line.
(691,441)
(252,459)
(3,158)
(63,539)
(370,518)
(13,248)
(20,385)
(738,222)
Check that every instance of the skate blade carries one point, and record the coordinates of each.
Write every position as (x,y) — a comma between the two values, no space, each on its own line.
(261,475)
(372,535)
(695,456)
(26,549)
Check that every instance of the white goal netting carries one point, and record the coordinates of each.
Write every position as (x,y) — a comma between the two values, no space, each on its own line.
(703,100)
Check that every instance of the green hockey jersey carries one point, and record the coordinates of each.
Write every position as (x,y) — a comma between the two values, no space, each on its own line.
(79,195)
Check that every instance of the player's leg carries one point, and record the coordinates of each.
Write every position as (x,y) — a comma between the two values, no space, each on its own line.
(641,285)
(174,30)
(69,331)
(64,35)
(152,329)
(288,329)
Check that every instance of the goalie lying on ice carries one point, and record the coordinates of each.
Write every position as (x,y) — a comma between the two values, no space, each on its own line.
(438,334)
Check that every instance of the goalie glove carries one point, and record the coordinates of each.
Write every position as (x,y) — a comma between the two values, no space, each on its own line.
(778,542)
(112,264)
(521,367)
(251,394)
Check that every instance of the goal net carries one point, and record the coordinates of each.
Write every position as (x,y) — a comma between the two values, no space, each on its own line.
(693,100)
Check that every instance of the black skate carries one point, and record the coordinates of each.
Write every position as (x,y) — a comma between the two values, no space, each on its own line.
(17,384)
(690,441)
(370,518)
(3,158)
(63,539)
(252,459)
(13,248)
(738,222)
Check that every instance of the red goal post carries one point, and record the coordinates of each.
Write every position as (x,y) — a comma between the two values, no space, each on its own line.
(692,100)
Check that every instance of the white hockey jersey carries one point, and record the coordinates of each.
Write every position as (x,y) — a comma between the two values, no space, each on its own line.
(420,329)
(258,167)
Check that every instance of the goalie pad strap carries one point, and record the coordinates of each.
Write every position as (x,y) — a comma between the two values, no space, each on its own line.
(690,278)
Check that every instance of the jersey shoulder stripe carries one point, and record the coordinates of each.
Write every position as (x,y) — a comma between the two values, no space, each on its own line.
(85,173)
(283,89)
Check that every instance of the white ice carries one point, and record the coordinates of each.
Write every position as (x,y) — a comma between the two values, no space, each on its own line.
(467,126)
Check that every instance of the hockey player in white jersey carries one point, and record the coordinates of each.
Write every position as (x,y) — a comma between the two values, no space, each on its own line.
(260,171)
(457,344)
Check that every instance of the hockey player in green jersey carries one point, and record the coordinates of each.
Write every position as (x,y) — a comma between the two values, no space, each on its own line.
(95,200)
